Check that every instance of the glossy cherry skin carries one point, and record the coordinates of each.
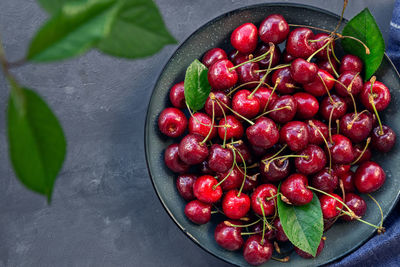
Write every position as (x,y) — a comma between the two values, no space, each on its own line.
(258,228)
(294,188)
(246,104)
(313,163)
(233,180)
(198,212)
(286,85)
(341,169)
(347,78)
(203,189)
(251,183)
(342,150)
(298,43)
(234,206)
(369,177)
(222,97)
(326,66)
(220,159)
(235,129)
(184,184)
(325,180)
(220,77)
(191,150)
(172,122)
(276,56)
(245,153)
(213,55)
(351,63)
(295,135)
(255,252)
(245,37)
(338,105)
(314,136)
(200,123)
(366,155)
(348,181)
(177,95)
(329,205)
(286,114)
(229,237)
(274,29)
(263,133)
(205,169)
(306,255)
(383,142)
(356,128)
(317,87)
(247,73)
(266,98)
(277,170)
(286,57)
(323,39)
(303,71)
(280,234)
(307,105)
(357,204)
(260,196)
(380,95)
(172,160)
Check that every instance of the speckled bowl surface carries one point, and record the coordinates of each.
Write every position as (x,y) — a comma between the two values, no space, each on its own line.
(342,238)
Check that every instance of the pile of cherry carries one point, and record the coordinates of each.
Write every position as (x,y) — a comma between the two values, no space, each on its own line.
(302,118)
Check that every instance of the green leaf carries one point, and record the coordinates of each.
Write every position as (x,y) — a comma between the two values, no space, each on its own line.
(52,6)
(78,26)
(196,85)
(138,31)
(364,28)
(303,225)
(36,140)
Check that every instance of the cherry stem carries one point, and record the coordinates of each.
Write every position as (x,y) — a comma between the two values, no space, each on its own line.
(234,112)
(330,123)
(277,153)
(264,220)
(244,167)
(326,87)
(380,210)
(330,62)
(320,49)
(255,165)
(372,102)
(337,127)
(214,211)
(274,68)
(326,143)
(199,122)
(250,233)
(367,51)
(227,223)
(285,259)
(272,110)
(333,53)
(212,124)
(225,125)
(312,27)
(245,84)
(345,2)
(340,201)
(272,197)
(348,88)
(230,171)
(379,228)
(278,80)
(263,56)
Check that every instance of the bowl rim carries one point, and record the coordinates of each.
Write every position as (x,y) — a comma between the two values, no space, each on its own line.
(146,128)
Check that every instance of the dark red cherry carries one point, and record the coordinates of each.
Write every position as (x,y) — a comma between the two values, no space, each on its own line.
(286,85)
(250,183)
(229,237)
(280,234)
(347,78)
(286,57)
(256,252)
(234,178)
(340,169)
(191,149)
(263,133)
(380,95)
(369,177)
(258,151)
(172,122)
(294,188)
(359,149)
(348,181)
(220,159)
(205,169)
(200,123)
(213,55)
(323,38)
(321,84)
(326,66)
(260,196)
(246,104)
(325,180)
(244,152)
(342,151)
(220,76)
(329,205)
(276,56)
(314,136)
(356,128)
(222,97)
(298,43)
(264,95)
(206,190)
(258,228)
(306,255)
(234,128)
(351,63)
(284,114)
(245,37)
(234,206)
(274,29)
(303,71)
(314,161)
(357,204)
(274,170)
(338,105)
(295,135)
(239,57)
(198,212)
(172,160)
(177,95)
(383,141)
(247,73)
(184,184)
(307,105)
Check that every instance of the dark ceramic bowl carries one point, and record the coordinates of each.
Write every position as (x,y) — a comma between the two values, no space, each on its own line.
(341,238)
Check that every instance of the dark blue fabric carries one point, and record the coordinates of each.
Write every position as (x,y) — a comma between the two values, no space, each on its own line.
(383,250)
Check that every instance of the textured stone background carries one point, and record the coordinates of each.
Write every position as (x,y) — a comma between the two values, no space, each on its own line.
(104,210)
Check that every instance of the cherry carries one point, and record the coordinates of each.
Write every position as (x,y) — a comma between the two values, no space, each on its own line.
(177,95)
(205,169)
(323,39)
(295,135)
(329,204)
(235,206)
(280,234)
(306,255)
(314,136)
(258,151)
(383,141)
(262,49)
(263,133)
(213,55)
(340,169)
(327,66)
(287,58)
(198,212)
(348,181)
(221,97)
(229,237)
(356,126)
(307,105)
(380,95)
(191,149)
(369,177)
(172,122)
(314,161)
(341,149)
(220,76)
(244,38)
(325,180)
(260,196)
(248,73)
(236,57)
(200,123)
(351,63)
(233,180)
(358,150)
(220,159)
(250,183)
(356,204)
(266,96)
(277,169)
(205,189)
(184,184)
(233,129)
(286,85)
(317,87)
(172,160)
(246,104)
(294,188)
(347,78)
(303,71)
(298,43)
(334,102)
(244,151)
(258,228)
(286,114)
(256,252)
(274,29)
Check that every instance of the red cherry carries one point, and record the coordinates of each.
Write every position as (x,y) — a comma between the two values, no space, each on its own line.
(325,180)
(313,163)
(200,123)
(314,136)
(341,169)
(220,159)
(347,78)
(244,151)
(317,87)
(220,77)
(234,179)
(383,141)
(294,188)
(380,95)
(264,94)
(342,151)
(263,133)
(258,228)
(356,128)
(323,39)
(184,184)
(222,97)
(295,135)
(245,104)
(286,85)
(307,105)
(329,205)
(172,122)
(348,181)
(356,204)
(172,160)
(205,169)
(213,55)
(248,73)
(255,252)
(286,114)
(306,255)
(303,71)
(244,38)
(262,49)
(198,212)
(260,196)
(298,43)
(191,150)
(274,29)
(287,58)
(250,183)
(229,237)
(234,206)
(326,66)
(204,190)
(234,128)
(366,155)
(177,95)
(277,170)
(369,177)
(351,63)
(280,234)
(338,104)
